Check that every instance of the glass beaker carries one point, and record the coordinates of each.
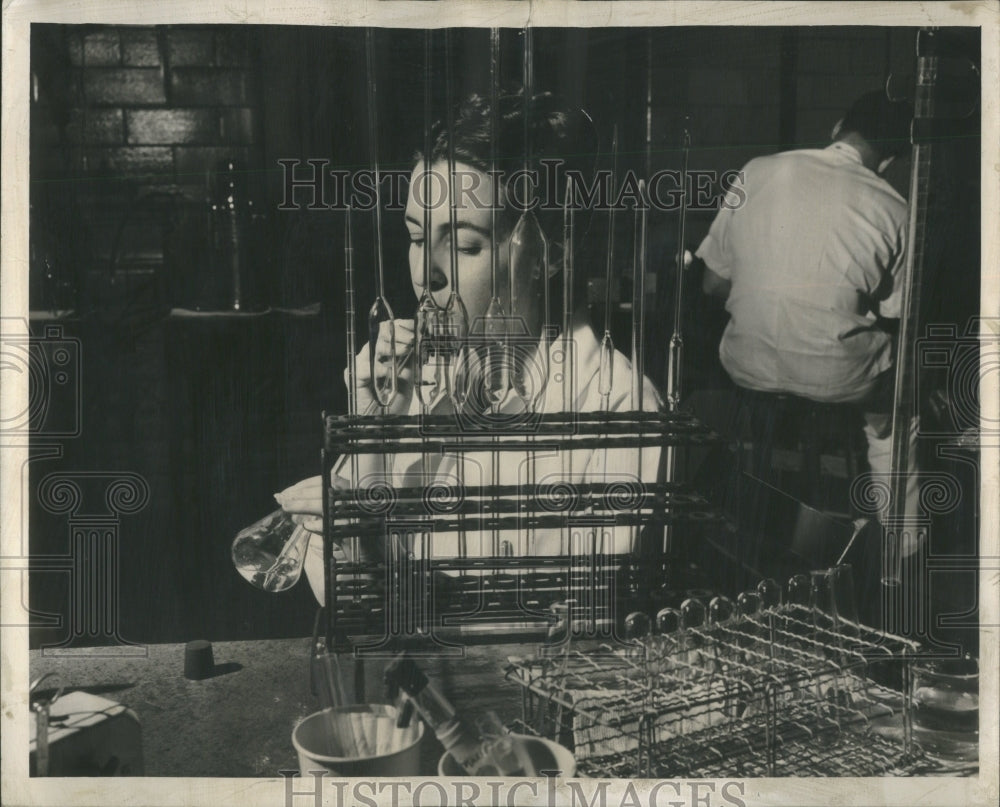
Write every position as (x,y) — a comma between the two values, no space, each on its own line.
(946,708)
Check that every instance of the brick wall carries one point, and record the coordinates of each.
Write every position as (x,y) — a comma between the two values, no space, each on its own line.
(127,127)
(129,123)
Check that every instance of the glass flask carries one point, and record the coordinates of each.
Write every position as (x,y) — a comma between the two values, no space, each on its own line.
(270,553)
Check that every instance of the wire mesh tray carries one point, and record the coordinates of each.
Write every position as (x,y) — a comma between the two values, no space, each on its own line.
(757,690)
(716,753)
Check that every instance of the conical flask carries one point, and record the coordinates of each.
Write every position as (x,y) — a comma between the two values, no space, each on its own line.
(270,553)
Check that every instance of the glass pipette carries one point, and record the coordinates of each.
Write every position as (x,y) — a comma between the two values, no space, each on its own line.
(607,348)
(606,368)
(430,381)
(496,379)
(529,256)
(380,313)
(455,316)
(352,371)
(569,394)
(639,300)
(569,225)
(675,353)
(529,260)
(528,276)
(639,272)
(638,331)
(350,315)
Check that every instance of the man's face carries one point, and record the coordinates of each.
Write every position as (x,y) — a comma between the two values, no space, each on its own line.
(472,237)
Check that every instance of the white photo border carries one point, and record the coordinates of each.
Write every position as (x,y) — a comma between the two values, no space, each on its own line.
(19,789)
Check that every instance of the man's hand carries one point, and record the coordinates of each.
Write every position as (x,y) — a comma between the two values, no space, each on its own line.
(404,359)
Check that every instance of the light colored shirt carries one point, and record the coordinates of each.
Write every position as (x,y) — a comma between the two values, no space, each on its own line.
(814,252)
(628,466)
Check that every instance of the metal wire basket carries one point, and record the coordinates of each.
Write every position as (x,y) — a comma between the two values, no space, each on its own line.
(751,690)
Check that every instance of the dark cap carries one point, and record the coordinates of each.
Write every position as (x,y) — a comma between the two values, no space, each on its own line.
(198,660)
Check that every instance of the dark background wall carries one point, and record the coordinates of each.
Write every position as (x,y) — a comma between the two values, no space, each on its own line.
(130,128)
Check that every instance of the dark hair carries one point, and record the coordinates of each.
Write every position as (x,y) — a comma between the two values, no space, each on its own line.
(883,123)
(556,132)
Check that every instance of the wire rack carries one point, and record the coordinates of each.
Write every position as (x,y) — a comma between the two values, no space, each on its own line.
(500,592)
(786,691)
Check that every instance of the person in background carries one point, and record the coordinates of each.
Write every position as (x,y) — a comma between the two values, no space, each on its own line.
(810,267)
(561,134)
